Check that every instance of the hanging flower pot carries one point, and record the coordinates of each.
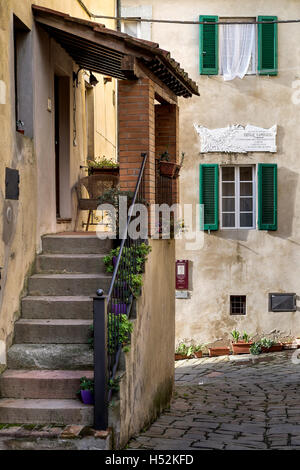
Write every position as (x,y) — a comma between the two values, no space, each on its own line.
(167,168)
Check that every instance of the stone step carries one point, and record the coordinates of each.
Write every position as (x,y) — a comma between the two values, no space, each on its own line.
(75,244)
(41,411)
(42,384)
(39,331)
(67,284)
(50,356)
(52,307)
(70,263)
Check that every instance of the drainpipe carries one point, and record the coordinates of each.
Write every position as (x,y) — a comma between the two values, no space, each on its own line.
(118,14)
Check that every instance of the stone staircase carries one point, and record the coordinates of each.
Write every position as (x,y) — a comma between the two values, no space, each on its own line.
(51,351)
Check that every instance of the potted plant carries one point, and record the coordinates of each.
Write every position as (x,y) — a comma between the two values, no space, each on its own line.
(20,126)
(219,351)
(197,350)
(86,390)
(268,345)
(255,348)
(183,352)
(166,167)
(103,166)
(178,167)
(289,343)
(241,346)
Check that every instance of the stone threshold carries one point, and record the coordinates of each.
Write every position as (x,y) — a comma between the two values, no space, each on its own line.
(45,437)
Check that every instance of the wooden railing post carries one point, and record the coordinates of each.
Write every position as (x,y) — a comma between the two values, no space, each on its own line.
(100,363)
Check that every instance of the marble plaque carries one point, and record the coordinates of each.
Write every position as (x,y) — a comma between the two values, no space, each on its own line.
(237,139)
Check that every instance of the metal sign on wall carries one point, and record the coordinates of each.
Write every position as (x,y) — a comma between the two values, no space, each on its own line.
(237,139)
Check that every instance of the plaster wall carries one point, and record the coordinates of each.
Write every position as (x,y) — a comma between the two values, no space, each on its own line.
(23,222)
(238,262)
(146,386)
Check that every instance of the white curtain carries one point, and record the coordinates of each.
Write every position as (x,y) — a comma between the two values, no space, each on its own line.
(237,54)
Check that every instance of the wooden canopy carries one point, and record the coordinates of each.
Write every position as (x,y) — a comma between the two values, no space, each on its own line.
(99,49)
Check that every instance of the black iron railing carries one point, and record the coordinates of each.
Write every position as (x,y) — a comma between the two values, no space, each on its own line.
(109,312)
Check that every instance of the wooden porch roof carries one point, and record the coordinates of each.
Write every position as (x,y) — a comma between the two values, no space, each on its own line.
(99,49)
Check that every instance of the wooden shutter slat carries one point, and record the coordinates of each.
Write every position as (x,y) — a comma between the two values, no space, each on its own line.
(267,196)
(209,195)
(209,46)
(267,46)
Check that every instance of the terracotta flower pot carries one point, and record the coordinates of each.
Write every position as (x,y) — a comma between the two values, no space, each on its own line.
(87,397)
(214,352)
(290,345)
(180,357)
(241,347)
(275,348)
(198,354)
(167,169)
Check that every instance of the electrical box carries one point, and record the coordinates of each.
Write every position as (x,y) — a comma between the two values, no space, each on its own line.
(182,275)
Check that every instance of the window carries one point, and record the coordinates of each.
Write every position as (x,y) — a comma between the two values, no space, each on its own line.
(134,27)
(237,188)
(237,305)
(237,50)
(238,197)
(243,48)
(282,302)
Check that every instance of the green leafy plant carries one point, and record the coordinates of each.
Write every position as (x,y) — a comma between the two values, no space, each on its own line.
(235,335)
(182,158)
(266,343)
(184,350)
(102,163)
(255,348)
(114,384)
(246,337)
(197,347)
(86,384)
(164,156)
(119,331)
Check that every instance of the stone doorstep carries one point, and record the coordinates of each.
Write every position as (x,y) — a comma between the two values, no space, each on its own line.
(72,431)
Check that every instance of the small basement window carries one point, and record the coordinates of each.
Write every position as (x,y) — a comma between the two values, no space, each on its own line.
(282,302)
(237,305)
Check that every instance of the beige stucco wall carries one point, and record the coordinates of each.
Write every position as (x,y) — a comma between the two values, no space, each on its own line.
(241,262)
(147,384)
(24,221)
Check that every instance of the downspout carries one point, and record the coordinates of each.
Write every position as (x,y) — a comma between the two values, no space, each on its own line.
(118,14)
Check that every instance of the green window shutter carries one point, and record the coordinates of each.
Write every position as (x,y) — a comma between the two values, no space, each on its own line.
(209,195)
(209,46)
(267,46)
(267,196)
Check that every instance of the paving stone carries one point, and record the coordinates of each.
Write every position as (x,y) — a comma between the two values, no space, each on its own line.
(238,406)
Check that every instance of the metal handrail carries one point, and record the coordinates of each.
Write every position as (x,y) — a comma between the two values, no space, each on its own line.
(107,313)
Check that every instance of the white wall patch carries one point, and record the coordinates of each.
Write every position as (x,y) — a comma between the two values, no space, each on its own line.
(2,353)
(2,92)
(238,139)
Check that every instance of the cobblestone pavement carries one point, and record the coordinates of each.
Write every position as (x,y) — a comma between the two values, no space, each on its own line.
(230,403)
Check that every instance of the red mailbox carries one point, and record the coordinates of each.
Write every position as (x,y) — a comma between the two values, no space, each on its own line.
(182,274)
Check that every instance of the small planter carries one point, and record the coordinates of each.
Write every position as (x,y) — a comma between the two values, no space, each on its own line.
(87,397)
(241,347)
(104,171)
(275,348)
(214,352)
(180,357)
(290,345)
(198,354)
(167,169)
